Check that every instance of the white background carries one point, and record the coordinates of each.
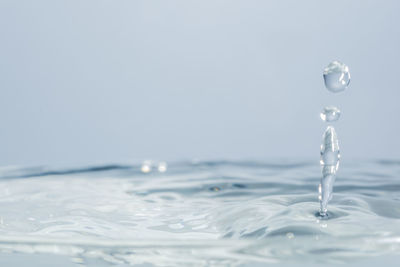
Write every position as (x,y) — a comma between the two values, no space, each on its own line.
(99,81)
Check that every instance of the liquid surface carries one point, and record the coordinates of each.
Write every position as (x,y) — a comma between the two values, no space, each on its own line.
(201,213)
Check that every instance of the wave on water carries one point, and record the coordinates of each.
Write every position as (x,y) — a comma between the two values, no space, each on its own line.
(200,213)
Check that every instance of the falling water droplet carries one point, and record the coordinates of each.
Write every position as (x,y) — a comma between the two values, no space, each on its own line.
(330,156)
(336,77)
(330,114)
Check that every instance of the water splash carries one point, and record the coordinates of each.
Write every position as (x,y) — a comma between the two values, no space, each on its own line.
(193,213)
(336,78)
(330,157)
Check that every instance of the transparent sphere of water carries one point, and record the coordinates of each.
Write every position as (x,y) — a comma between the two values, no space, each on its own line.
(330,114)
(336,76)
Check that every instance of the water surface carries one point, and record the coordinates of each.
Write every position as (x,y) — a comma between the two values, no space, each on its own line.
(200,213)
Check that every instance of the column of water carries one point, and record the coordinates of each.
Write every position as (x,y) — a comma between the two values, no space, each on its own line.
(337,79)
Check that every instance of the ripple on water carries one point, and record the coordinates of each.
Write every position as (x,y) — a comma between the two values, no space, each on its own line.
(190,213)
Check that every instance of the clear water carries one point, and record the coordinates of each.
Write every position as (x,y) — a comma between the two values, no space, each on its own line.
(200,213)
(336,76)
(330,157)
(330,114)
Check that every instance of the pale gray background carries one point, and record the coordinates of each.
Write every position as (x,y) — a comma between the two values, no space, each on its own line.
(99,81)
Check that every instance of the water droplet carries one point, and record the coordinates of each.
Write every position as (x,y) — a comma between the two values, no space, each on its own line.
(336,77)
(330,114)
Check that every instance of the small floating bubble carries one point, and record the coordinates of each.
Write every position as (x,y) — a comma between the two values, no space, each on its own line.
(215,188)
(330,114)
(336,76)
(146,167)
(162,166)
(290,235)
(78,260)
(176,226)
(239,185)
